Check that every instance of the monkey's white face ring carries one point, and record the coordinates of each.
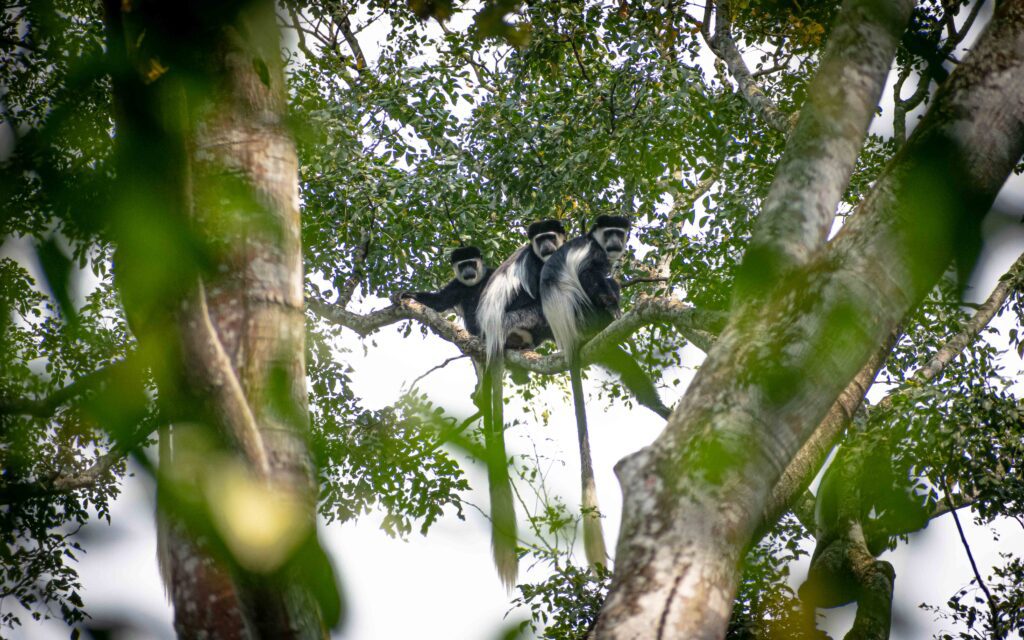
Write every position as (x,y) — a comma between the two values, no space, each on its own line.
(546,244)
(469,272)
(613,241)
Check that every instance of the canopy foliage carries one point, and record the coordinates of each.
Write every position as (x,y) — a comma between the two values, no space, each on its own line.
(423,126)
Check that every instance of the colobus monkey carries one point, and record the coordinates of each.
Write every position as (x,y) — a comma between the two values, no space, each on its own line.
(463,292)
(583,299)
(579,298)
(510,315)
(510,310)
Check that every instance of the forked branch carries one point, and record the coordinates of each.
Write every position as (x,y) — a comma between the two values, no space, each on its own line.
(696,325)
(812,455)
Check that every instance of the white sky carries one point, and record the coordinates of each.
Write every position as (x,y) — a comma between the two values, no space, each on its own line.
(443,586)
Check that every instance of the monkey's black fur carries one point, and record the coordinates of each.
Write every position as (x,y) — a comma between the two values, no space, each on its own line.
(464,290)
(510,315)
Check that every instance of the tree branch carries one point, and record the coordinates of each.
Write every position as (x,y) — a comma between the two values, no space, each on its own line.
(684,201)
(14,43)
(344,23)
(808,460)
(724,46)
(992,606)
(823,148)
(956,39)
(805,465)
(46,407)
(640,280)
(1013,278)
(953,502)
(696,325)
(479,69)
(64,482)
(689,199)
(437,367)
(579,59)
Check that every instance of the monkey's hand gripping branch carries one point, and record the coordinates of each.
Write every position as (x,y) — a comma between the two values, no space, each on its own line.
(696,325)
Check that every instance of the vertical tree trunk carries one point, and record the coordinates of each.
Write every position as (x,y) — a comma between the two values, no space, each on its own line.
(202,109)
(245,199)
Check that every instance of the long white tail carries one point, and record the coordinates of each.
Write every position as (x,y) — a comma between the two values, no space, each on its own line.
(593,533)
(504,537)
(506,282)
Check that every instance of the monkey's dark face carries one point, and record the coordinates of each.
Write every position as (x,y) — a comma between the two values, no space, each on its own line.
(612,240)
(469,272)
(546,244)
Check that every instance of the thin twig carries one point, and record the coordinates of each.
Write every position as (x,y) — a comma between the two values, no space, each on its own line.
(579,60)
(993,609)
(436,368)
(479,69)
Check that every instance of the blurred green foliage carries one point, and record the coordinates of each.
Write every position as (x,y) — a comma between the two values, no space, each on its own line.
(434,138)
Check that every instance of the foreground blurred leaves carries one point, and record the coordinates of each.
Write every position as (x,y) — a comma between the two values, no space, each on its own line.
(441,137)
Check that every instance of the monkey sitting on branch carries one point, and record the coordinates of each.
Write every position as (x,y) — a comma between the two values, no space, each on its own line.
(579,298)
(464,290)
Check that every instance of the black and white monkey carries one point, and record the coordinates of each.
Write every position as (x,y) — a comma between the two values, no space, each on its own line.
(463,292)
(510,310)
(510,315)
(579,298)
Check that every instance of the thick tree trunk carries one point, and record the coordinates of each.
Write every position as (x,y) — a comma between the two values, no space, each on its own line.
(220,319)
(694,497)
(245,198)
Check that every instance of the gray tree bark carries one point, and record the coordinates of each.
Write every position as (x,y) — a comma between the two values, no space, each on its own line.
(692,500)
(206,156)
(822,149)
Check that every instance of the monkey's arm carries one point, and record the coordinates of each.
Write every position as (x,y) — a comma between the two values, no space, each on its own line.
(446,298)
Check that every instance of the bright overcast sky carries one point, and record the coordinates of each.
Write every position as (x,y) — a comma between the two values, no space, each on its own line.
(443,586)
